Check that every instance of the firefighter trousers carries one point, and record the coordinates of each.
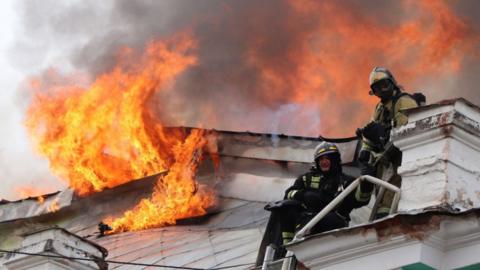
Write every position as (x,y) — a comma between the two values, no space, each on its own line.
(292,220)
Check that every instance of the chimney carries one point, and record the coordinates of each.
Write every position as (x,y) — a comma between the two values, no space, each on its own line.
(48,249)
(441,154)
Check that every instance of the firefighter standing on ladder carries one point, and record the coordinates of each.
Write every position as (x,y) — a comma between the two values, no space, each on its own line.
(379,158)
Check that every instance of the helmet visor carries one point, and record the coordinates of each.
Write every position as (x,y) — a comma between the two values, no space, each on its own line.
(381,86)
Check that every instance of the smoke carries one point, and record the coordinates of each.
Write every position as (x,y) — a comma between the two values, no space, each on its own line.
(257,56)
(294,67)
(19,168)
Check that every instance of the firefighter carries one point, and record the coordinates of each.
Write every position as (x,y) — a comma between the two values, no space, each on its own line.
(379,158)
(314,190)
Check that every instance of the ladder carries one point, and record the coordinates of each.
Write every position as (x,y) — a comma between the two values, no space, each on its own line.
(289,262)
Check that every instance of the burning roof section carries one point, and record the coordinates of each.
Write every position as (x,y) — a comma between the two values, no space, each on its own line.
(248,170)
(238,151)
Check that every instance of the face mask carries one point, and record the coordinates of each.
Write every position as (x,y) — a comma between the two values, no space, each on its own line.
(383,89)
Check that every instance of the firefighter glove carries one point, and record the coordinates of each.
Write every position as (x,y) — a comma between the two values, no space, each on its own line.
(364,156)
(314,201)
(375,132)
(299,195)
(367,169)
(359,132)
(366,186)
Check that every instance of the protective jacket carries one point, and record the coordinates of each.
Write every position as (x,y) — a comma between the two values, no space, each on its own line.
(315,191)
(326,189)
(389,114)
(391,118)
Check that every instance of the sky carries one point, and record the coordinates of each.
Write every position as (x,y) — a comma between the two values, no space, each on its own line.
(294,67)
(20,166)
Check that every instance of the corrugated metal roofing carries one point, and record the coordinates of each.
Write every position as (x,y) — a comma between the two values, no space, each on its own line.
(230,237)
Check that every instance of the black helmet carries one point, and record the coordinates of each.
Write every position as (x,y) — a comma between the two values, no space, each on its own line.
(325,148)
(330,149)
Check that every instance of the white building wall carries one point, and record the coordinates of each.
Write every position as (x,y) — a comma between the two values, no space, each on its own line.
(441,153)
(55,242)
(438,222)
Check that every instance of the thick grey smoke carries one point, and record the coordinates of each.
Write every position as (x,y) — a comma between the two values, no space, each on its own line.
(224,90)
(86,36)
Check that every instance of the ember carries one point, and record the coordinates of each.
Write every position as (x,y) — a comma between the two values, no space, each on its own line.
(53,207)
(41,199)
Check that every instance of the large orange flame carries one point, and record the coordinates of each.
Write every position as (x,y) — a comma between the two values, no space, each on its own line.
(105,135)
(175,196)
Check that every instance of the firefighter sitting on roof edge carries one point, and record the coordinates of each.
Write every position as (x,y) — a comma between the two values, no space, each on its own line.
(379,157)
(314,190)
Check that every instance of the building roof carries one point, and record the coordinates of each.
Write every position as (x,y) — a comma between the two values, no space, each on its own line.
(254,169)
(437,224)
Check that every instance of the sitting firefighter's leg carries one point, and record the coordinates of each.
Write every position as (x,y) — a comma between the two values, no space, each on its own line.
(288,220)
(330,222)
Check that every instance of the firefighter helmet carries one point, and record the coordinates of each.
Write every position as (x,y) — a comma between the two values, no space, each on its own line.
(325,148)
(381,74)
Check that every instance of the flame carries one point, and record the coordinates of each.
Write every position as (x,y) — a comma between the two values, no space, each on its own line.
(175,196)
(53,207)
(30,191)
(106,134)
(40,199)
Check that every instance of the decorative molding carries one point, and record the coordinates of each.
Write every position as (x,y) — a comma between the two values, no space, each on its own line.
(359,249)
(350,245)
(56,241)
(453,123)
(441,147)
